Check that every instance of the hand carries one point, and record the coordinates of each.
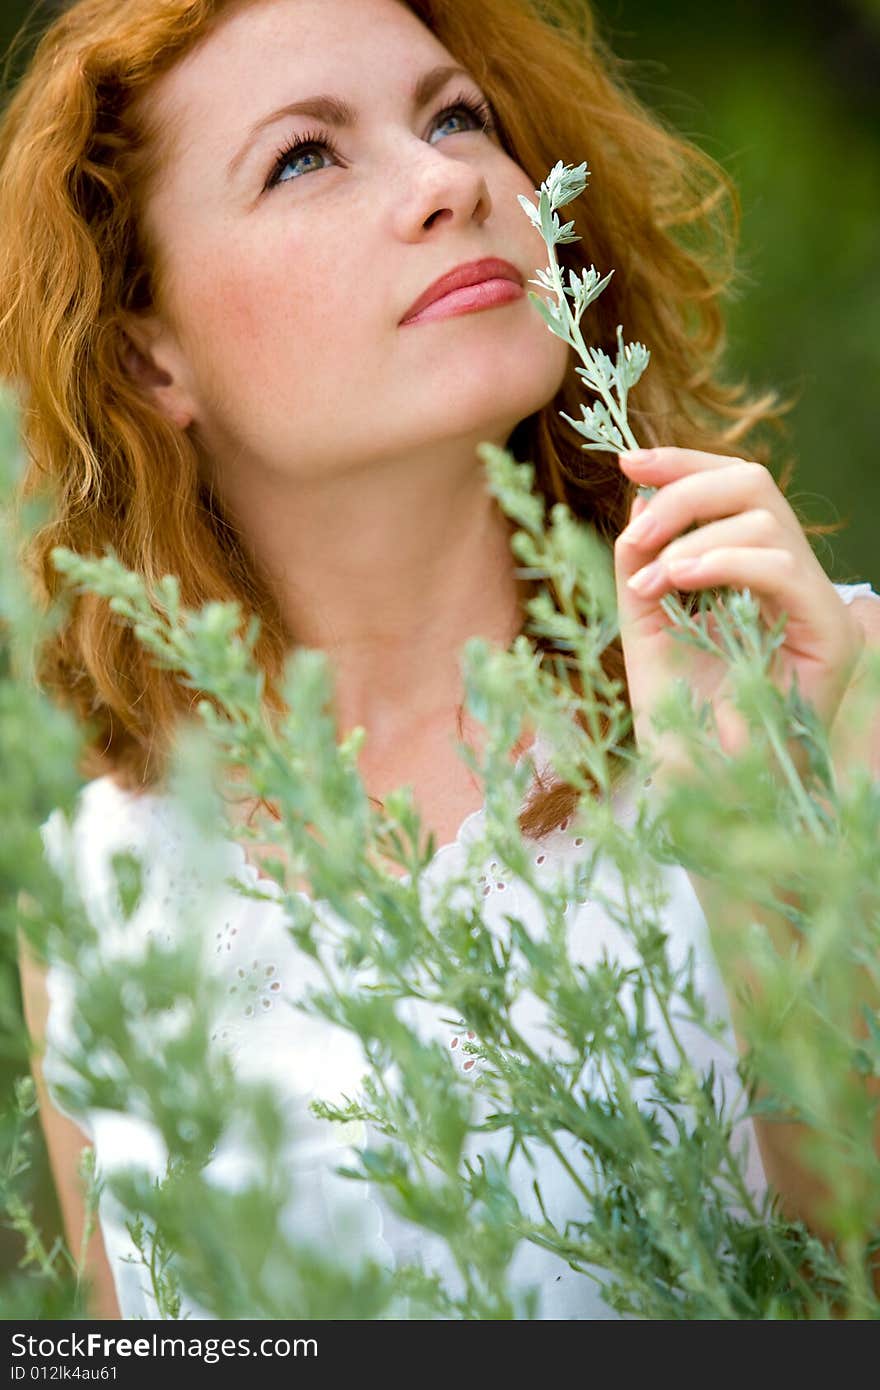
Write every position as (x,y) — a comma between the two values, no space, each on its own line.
(752,539)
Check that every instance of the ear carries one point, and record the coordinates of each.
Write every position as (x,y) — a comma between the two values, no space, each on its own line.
(155,363)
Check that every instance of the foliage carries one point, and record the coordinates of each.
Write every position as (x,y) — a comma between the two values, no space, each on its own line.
(604,1089)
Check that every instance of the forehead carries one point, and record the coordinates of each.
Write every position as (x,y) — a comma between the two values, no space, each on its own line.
(270,52)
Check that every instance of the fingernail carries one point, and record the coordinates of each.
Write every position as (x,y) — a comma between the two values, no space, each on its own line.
(638,506)
(641,529)
(634,455)
(643,579)
(686,567)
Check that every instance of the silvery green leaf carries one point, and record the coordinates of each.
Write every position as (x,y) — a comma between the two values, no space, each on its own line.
(549,220)
(558,235)
(564,183)
(589,379)
(545,280)
(632,359)
(551,315)
(543,223)
(594,284)
(586,287)
(599,375)
(565,236)
(599,419)
(597,427)
(602,363)
(553,181)
(530,210)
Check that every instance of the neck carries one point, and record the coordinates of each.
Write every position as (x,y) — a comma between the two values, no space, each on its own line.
(389,570)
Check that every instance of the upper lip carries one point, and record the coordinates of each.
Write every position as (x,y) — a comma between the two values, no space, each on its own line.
(471,273)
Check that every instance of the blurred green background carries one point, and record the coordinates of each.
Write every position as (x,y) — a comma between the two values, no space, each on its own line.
(787,98)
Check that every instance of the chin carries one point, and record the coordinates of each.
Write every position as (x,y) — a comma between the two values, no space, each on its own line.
(505,389)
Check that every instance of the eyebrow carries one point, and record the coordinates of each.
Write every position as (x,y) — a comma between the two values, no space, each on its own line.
(333,111)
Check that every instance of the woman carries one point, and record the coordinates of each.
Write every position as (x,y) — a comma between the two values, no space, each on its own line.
(219,222)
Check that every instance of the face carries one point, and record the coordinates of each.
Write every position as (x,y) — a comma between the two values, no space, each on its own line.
(289,275)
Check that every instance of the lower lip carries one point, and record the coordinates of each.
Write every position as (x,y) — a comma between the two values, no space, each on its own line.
(486,295)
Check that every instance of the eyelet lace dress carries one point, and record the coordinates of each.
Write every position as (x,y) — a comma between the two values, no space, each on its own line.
(247,942)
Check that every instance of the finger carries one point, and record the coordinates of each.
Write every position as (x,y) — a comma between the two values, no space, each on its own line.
(756,527)
(667,462)
(749,529)
(773,575)
(710,496)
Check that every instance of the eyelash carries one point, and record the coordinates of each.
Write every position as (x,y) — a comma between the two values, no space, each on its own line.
(479,109)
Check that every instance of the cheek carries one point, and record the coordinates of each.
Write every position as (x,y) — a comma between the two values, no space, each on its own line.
(549,363)
(263,314)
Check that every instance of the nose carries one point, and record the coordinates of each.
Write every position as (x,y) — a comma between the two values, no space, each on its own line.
(439,188)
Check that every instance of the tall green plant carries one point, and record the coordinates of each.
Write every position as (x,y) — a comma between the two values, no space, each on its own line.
(605,1091)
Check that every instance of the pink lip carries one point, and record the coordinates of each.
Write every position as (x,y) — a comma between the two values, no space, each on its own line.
(486,295)
(476,285)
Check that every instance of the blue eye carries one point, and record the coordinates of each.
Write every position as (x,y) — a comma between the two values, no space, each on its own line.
(310,146)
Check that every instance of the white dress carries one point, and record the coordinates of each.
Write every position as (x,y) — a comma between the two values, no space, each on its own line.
(308,1057)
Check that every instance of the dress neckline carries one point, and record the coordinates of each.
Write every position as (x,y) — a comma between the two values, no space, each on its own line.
(248,872)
